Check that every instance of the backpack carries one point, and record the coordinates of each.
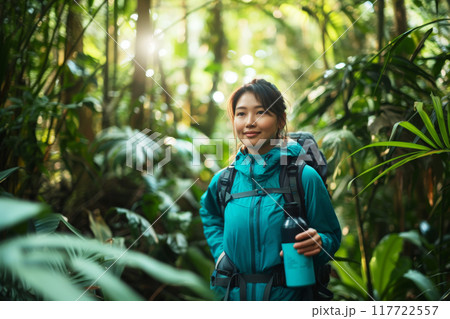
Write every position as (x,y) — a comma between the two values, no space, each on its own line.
(292,189)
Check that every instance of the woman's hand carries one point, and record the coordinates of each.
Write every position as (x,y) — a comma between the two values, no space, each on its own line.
(309,243)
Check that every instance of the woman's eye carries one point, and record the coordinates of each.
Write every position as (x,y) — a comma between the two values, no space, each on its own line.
(240,114)
(260,112)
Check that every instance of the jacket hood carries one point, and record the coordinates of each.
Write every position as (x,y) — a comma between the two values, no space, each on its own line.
(261,167)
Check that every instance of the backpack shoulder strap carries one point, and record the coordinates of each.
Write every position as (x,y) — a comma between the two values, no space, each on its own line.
(291,176)
(224,185)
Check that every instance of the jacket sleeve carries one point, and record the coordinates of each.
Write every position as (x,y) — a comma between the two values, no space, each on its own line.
(321,215)
(213,222)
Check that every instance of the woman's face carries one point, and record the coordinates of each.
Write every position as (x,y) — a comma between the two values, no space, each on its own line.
(253,126)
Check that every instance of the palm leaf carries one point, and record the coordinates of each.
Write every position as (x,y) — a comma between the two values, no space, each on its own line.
(112,287)
(430,127)
(440,118)
(394,144)
(410,127)
(400,163)
(381,164)
(16,258)
(50,285)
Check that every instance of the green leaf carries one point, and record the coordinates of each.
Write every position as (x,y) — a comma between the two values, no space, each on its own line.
(17,252)
(394,144)
(424,284)
(49,224)
(384,261)
(440,118)
(410,127)
(177,242)
(70,226)
(406,160)
(202,264)
(426,120)
(112,287)
(383,163)
(99,228)
(14,211)
(349,277)
(4,174)
(139,225)
(421,44)
(51,285)
(413,236)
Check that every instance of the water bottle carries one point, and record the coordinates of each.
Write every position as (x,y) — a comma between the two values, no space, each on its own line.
(299,269)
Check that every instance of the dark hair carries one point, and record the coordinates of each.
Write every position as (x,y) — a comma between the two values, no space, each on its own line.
(266,93)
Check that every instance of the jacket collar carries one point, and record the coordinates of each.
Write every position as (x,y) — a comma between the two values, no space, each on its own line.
(263,166)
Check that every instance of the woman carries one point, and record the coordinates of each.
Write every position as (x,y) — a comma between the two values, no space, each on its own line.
(245,240)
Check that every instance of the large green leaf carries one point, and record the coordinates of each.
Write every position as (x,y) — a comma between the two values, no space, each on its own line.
(412,236)
(350,277)
(14,211)
(384,260)
(424,284)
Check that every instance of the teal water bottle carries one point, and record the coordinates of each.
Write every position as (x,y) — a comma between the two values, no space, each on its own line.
(299,269)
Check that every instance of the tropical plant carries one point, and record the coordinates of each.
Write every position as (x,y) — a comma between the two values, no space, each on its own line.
(437,143)
(394,275)
(52,266)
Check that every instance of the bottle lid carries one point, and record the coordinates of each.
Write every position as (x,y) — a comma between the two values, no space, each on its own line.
(291,209)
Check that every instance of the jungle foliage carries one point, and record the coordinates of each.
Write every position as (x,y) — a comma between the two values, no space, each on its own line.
(86,215)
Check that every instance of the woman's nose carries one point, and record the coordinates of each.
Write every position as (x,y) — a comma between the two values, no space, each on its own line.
(250,120)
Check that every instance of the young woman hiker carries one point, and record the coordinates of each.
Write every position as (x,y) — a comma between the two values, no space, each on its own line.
(245,239)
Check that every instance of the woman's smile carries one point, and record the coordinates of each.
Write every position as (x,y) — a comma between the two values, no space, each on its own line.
(251,134)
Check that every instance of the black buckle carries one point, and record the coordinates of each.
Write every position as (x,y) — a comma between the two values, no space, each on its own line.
(260,192)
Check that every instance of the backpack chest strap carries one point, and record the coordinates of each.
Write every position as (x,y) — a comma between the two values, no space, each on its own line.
(257,192)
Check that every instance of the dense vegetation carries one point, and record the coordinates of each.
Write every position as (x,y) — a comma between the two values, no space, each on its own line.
(84,215)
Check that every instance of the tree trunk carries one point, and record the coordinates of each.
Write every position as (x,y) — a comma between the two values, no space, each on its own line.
(106,122)
(380,24)
(401,25)
(74,47)
(323,27)
(188,65)
(138,87)
(218,44)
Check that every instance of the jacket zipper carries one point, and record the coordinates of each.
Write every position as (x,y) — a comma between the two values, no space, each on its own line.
(258,217)
(252,231)
(251,219)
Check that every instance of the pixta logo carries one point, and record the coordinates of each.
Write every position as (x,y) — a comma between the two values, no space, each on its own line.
(143,148)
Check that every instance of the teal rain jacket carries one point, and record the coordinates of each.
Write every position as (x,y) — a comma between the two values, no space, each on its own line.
(250,232)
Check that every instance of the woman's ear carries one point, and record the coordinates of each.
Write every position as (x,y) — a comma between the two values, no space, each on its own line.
(282,122)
